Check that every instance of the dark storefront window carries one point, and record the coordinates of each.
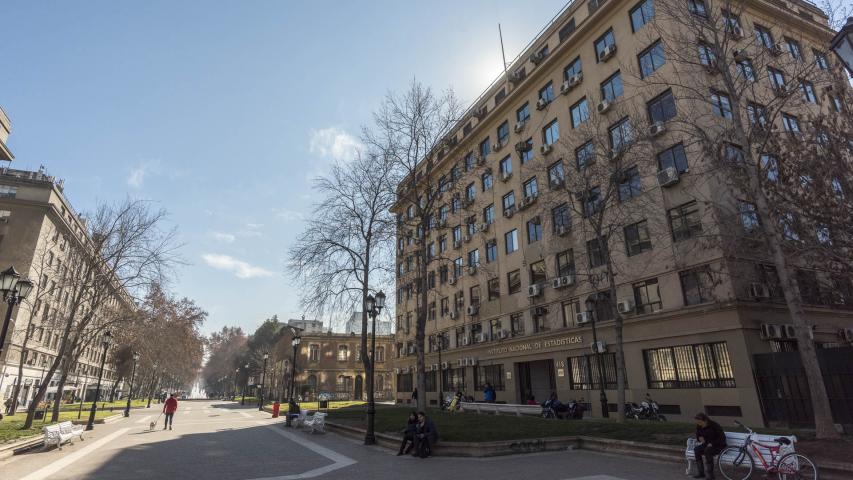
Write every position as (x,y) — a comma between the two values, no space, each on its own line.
(430,381)
(706,365)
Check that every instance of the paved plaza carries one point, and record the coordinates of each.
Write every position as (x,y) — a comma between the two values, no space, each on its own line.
(221,440)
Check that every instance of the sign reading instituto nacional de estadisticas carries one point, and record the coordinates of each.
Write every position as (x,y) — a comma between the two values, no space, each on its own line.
(537,345)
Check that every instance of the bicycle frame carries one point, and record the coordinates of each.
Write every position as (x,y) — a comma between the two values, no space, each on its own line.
(774,454)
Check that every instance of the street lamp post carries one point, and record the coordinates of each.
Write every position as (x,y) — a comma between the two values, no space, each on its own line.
(842,45)
(234,390)
(245,385)
(590,308)
(130,392)
(15,290)
(373,306)
(295,342)
(263,383)
(108,339)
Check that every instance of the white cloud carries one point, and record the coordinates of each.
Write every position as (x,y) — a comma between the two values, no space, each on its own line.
(240,268)
(224,237)
(288,215)
(334,143)
(254,226)
(136,179)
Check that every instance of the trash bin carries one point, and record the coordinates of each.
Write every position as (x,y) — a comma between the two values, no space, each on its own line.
(275,407)
(324,404)
(39,415)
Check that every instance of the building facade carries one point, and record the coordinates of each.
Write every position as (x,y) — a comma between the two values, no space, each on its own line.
(514,279)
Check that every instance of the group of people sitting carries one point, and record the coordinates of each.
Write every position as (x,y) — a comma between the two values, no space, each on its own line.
(419,436)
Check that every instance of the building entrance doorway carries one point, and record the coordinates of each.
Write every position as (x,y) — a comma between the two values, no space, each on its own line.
(535,379)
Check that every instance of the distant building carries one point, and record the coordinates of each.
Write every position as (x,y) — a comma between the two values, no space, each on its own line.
(307,326)
(353,325)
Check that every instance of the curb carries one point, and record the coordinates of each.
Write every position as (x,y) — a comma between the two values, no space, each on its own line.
(100,421)
(20,446)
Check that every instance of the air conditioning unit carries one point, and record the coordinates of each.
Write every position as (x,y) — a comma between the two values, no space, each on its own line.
(770,331)
(603,106)
(396,371)
(534,290)
(483,227)
(759,290)
(541,103)
(498,146)
(736,32)
(739,54)
(598,347)
(434,367)
(473,310)
(481,337)
(519,127)
(502,334)
(445,365)
(472,270)
(782,90)
(571,83)
(625,306)
(453,315)
(556,183)
(567,280)
(467,238)
(530,200)
(537,57)
(545,149)
(607,53)
(556,283)
(656,129)
(457,244)
(789,331)
(846,334)
(522,205)
(776,49)
(460,363)
(583,318)
(506,176)
(452,281)
(668,176)
(509,212)
(411,350)
(472,362)
(517,76)
(466,340)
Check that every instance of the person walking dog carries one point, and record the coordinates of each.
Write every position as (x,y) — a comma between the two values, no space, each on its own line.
(169,408)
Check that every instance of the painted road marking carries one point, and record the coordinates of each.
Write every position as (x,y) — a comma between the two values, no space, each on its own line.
(144,419)
(245,414)
(63,462)
(339,461)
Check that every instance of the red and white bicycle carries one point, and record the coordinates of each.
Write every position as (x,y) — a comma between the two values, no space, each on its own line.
(737,463)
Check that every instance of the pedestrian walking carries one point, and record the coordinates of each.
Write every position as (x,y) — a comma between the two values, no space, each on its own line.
(409,434)
(425,437)
(712,441)
(169,408)
(489,395)
(415,395)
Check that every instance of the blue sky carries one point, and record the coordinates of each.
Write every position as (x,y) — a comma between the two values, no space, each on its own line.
(221,112)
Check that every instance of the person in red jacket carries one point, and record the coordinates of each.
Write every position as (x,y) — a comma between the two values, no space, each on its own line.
(169,408)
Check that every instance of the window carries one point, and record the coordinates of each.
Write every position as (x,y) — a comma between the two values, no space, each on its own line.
(494,286)
(556,175)
(731,20)
(673,157)
(584,155)
(603,42)
(580,112)
(471,192)
(511,239)
(551,133)
(647,296)
(516,324)
(475,295)
(721,104)
(684,221)
(474,258)
(592,202)
(733,154)
(757,114)
(531,190)
(470,161)
(534,230)
(704,365)
(707,56)
(313,353)
(442,243)
(566,30)
(584,373)
(455,204)
(508,202)
(621,134)
(527,153)
(444,305)
(503,133)
(457,234)
(764,36)
(794,48)
(745,70)
(836,102)
(651,59)
(808,92)
(491,374)
(343,353)
(574,68)
(777,78)
(748,216)
(629,184)
(662,107)
(514,281)
(792,124)
(485,147)
(697,7)
(611,89)
(489,214)
(487,180)
(770,165)
(565,263)
(506,165)
(820,60)
(453,379)
(696,285)
(491,251)
(642,14)
(458,265)
(546,93)
(538,273)
(810,290)
(637,239)
(570,310)
(597,252)
(8,191)
(561,217)
(522,115)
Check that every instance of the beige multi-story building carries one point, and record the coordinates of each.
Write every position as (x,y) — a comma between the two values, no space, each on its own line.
(515,278)
(37,222)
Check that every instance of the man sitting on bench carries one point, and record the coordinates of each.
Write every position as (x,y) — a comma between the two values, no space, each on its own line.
(710,441)
(425,436)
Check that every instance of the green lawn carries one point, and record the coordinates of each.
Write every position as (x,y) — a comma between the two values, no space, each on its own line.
(470,427)
(10,427)
(117,405)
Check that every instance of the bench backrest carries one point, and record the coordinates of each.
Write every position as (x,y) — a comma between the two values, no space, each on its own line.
(51,429)
(736,439)
(66,427)
(320,416)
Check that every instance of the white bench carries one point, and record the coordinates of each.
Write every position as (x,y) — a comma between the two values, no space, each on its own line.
(736,439)
(60,433)
(505,408)
(315,423)
(299,418)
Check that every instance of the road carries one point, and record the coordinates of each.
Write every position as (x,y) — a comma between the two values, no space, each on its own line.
(221,440)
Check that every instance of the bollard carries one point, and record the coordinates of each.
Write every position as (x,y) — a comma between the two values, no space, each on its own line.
(275,409)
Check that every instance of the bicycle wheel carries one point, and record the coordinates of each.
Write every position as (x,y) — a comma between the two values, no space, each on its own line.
(794,466)
(735,463)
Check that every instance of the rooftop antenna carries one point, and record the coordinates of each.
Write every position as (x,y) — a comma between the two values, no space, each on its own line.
(503,55)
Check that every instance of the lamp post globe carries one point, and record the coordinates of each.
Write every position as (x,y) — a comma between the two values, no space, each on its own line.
(842,45)
(14,290)
(106,341)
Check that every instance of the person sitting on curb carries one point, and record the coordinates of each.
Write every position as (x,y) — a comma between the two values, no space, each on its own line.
(711,442)
(409,434)
(425,436)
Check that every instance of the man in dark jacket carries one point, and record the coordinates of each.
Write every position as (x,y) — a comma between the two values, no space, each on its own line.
(425,436)
(711,440)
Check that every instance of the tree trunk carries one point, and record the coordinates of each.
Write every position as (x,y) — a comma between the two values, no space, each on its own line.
(17,387)
(620,350)
(115,385)
(60,390)
(31,410)
(420,329)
